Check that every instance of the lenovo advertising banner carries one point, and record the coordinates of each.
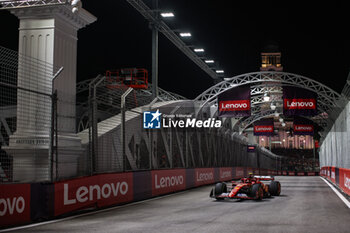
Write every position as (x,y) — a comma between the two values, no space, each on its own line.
(14,204)
(204,176)
(234,102)
(298,101)
(264,127)
(168,181)
(344,180)
(100,190)
(239,172)
(225,173)
(302,126)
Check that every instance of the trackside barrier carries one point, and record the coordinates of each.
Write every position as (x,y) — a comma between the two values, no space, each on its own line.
(338,176)
(25,203)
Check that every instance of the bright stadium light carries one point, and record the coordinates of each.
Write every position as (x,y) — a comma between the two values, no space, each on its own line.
(167,14)
(283,124)
(185,34)
(209,61)
(220,71)
(200,50)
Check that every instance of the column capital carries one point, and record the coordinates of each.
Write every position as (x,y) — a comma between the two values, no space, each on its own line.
(78,20)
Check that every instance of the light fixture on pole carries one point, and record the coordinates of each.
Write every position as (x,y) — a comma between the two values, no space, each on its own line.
(273,106)
(199,50)
(167,14)
(281,120)
(266,97)
(220,71)
(277,114)
(209,61)
(185,34)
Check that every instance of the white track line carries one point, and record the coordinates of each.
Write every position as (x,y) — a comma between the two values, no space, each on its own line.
(337,192)
(91,213)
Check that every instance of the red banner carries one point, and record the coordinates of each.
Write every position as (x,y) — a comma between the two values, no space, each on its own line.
(291,104)
(332,169)
(225,173)
(299,101)
(234,105)
(204,176)
(264,127)
(102,190)
(167,181)
(14,204)
(344,180)
(234,102)
(239,172)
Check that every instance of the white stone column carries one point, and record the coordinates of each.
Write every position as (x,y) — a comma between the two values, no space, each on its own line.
(47,34)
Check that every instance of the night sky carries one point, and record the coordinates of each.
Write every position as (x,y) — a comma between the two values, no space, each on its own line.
(314,40)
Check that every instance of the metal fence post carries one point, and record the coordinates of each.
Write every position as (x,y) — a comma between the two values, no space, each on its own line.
(123,109)
(53,134)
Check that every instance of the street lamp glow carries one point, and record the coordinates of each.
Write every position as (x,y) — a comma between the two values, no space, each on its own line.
(199,50)
(220,71)
(167,14)
(185,34)
(266,97)
(273,107)
(209,61)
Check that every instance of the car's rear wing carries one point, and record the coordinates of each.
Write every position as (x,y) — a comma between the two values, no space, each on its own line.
(265,177)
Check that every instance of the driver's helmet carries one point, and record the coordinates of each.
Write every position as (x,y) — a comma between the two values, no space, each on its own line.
(250,175)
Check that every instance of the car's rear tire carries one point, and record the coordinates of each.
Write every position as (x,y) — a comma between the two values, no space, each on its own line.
(257,192)
(275,188)
(219,189)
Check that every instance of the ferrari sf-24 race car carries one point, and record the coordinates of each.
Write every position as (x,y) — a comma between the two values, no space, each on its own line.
(251,187)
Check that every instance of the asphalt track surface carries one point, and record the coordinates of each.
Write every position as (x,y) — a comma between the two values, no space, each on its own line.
(306,204)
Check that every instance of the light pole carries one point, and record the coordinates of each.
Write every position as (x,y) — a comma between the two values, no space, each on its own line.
(155,54)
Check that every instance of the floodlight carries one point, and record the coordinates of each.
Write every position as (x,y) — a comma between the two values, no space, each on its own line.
(209,61)
(199,50)
(167,14)
(185,34)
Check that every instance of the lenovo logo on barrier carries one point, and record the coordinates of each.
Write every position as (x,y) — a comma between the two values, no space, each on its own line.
(263,128)
(346,182)
(225,174)
(205,176)
(299,104)
(234,105)
(168,181)
(84,193)
(304,128)
(12,205)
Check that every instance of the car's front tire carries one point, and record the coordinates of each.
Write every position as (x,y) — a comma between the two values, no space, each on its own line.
(219,189)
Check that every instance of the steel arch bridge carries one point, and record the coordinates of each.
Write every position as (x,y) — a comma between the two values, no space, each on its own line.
(329,101)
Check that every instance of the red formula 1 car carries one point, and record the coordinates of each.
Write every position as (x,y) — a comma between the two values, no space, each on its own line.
(251,187)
